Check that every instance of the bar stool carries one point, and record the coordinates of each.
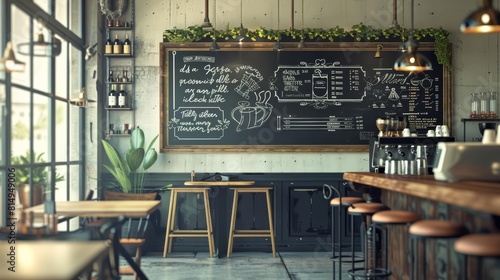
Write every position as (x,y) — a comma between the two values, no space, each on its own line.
(342,203)
(380,221)
(366,211)
(478,245)
(172,211)
(433,229)
(233,232)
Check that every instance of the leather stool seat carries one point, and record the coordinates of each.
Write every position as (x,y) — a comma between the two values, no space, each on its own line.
(395,217)
(437,228)
(366,208)
(346,201)
(433,229)
(479,245)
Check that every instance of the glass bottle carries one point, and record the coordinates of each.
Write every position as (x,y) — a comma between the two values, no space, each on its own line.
(108,48)
(117,46)
(112,97)
(474,105)
(493,105)
(122,97)
(127,45)
(484,105)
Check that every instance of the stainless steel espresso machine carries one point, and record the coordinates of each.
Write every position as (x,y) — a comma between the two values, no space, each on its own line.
(404,155)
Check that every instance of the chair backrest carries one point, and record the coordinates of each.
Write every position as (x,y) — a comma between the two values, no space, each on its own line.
(135,227)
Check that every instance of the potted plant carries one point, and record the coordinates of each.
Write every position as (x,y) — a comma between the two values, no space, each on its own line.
(39,179)
(129,170)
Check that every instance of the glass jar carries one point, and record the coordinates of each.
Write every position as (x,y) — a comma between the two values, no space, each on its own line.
(493,105)
(474,105)
(485,108)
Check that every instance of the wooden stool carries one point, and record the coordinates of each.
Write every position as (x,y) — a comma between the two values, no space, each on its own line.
(233,233)
(478,245)
(433,229)
(380,221)
(337,255)
(365,210)
(172,211)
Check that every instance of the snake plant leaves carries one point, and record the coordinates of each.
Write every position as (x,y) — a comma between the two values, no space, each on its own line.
(113,156)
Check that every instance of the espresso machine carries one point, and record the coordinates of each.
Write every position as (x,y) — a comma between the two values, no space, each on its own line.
(419,150)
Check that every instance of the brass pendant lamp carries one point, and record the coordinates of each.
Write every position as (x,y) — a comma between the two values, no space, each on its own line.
(483,20)
(411,60)
(9,63)
(40,46)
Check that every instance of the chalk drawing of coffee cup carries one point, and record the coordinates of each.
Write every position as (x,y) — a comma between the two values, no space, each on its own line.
(319,84)
(249,117)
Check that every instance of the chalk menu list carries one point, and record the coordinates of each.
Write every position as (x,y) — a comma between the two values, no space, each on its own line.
(290,100)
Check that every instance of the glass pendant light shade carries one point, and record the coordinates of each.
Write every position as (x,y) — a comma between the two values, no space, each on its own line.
(484,20)
(278,46)
(9,61)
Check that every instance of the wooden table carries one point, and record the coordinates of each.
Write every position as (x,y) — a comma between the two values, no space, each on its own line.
(219,209)
(106,209)
(101,208)
(476,195)
(51,259)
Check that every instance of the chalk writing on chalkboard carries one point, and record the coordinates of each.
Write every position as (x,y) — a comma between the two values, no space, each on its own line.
(253,98)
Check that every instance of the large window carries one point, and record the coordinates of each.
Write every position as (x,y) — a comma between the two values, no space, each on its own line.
(37,119)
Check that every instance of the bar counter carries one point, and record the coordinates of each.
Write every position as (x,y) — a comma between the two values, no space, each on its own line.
(475,195)
(474,204)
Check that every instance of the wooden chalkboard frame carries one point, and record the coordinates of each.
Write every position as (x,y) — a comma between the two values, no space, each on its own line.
(319,46)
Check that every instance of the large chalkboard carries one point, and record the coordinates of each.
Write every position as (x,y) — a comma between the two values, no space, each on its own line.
(324,98)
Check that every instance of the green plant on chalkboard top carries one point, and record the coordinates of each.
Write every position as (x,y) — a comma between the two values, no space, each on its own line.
(358,32)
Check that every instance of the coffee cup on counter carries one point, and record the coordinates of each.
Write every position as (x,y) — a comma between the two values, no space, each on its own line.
(406,132)
(489,136)
(431,133)
(445,131)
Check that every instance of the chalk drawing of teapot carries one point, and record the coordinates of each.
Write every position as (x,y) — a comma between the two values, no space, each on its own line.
(249,117)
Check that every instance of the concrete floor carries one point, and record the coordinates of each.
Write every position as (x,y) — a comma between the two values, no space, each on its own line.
(241,265)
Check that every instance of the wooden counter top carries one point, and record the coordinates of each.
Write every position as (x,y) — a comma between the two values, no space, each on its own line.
(476,195)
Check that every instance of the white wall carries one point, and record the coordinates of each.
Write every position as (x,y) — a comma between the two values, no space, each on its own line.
(475,60)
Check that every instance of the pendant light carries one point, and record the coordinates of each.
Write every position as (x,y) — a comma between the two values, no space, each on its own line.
(301,44)
(81,100)
(483,20)
(412,60)
(395,24)
(206,21)
(40,47)
(243,34)
(278,46)
(378,52)
(9,62)
(214,47)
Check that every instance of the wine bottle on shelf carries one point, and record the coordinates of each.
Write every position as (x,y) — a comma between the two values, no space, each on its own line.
(117,46)
(110,77)
(125,76)
(127,45)
(108,48)
(122,97)
(112,97)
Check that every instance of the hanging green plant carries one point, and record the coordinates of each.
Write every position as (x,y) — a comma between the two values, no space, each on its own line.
(358,32)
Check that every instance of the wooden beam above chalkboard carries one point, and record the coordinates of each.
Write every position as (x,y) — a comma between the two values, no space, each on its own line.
(323,98)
